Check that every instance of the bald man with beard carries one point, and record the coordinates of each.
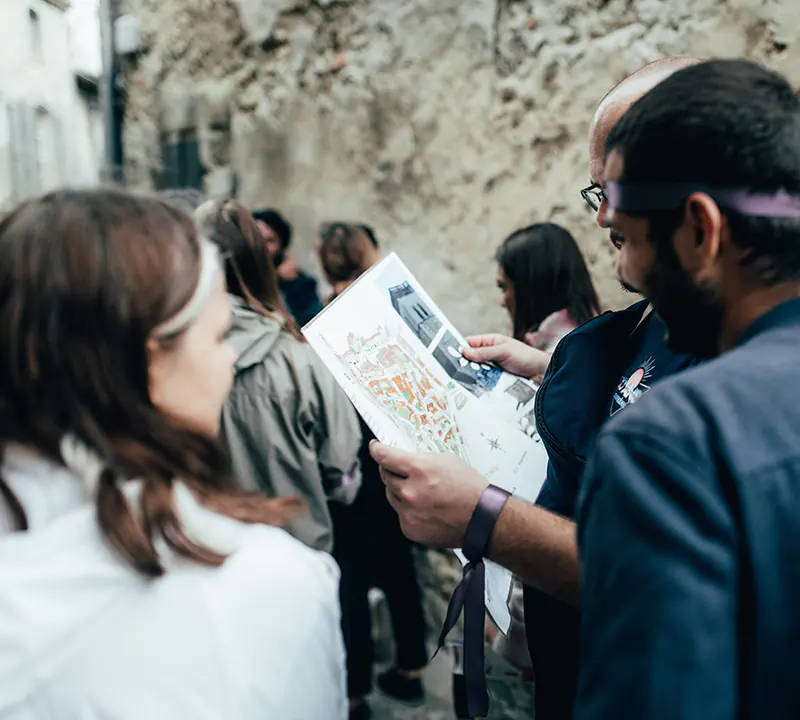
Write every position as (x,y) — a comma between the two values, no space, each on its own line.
(611,108)
(597,370)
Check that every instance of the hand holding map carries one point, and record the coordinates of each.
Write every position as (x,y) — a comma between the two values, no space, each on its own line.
(424,483)
(400,362)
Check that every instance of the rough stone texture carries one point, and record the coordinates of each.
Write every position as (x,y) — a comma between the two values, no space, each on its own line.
(443,124)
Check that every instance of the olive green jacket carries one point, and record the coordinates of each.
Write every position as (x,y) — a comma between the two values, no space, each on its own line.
(290,429)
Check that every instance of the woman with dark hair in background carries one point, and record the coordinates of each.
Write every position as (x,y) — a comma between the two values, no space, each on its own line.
(548,292)
(290,428)
(368,543)
(546,286)
(138,581)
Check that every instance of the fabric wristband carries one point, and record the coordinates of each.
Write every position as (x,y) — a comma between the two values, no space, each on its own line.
(469,596)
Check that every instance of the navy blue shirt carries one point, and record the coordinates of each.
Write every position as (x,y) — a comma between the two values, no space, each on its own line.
(301,297)
(689,533)
(607,364)
(650,360)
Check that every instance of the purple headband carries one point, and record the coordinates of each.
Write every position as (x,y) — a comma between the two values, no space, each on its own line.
(652,197)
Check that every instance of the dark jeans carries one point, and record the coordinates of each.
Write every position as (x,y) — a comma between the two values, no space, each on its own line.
(553,630)
(373,552)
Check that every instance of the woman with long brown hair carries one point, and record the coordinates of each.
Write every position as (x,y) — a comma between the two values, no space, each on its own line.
(137,580)
(290,428)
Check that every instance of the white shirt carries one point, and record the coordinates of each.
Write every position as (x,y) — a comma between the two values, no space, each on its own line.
(83,636)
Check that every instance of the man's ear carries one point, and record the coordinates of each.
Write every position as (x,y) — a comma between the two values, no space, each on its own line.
(700,242)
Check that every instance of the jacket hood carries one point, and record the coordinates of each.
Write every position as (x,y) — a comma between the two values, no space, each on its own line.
(252,336)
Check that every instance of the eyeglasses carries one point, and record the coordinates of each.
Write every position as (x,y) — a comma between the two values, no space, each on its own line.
(593,195)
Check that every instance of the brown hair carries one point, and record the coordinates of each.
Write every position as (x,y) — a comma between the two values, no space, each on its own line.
(346,251)
(249,269)
(85,277)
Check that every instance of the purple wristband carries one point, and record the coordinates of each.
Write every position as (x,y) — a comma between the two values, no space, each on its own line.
(469,595)
(482,522)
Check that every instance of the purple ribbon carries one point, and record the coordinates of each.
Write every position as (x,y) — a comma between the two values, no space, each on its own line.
(343,480)
(653,197)
(469,595)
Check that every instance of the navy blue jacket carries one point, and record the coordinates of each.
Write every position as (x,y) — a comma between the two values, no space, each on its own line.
(301,297)
(572,405)
(689,532)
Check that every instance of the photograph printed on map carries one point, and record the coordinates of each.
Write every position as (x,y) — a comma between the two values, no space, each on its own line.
(430,326)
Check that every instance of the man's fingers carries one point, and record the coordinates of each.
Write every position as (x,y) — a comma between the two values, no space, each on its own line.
(487,340)
(491,353)
(392,481)
(394,500)
(397,462)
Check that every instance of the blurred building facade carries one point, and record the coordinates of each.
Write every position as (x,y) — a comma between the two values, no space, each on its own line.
(51,129)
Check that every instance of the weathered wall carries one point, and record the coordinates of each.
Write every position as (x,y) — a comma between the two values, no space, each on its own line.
(444,123)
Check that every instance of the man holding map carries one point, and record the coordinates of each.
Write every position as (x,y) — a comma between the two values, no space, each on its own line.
(435,495)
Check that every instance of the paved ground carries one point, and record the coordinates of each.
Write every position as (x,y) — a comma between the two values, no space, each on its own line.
(438,694)
(509,701)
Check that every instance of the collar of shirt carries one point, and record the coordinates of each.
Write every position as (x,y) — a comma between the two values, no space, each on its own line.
(787,314)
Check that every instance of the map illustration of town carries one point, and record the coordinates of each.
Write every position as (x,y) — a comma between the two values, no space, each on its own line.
(399,383)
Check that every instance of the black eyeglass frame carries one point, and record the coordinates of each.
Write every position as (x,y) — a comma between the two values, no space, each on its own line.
(593,195)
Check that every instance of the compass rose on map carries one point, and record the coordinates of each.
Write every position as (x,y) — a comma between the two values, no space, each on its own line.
(494,443)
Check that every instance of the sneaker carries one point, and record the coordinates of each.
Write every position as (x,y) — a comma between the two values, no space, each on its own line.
(399,687)
(362,711)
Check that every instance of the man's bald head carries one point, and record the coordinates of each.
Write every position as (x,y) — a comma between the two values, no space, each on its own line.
(613,106)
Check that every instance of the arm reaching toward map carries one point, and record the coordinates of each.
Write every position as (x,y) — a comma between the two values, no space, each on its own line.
(512,355)
(434,496)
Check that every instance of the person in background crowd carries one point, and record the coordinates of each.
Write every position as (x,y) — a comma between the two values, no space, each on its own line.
(290,428)
(346,251)
(689,520)
(368,543)
(600,368)
(137,580)
(299,290)
(370,233)
(546,286)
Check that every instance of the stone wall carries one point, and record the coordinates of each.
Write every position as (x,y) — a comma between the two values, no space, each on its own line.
(445,124)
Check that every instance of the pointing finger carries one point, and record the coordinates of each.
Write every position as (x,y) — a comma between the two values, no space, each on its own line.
(489,353)
(487,340)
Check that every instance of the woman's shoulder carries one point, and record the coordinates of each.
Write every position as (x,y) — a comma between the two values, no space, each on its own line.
(287,358)
(274,550)
(306,365)
(274,585)
(554,327)
(257,551)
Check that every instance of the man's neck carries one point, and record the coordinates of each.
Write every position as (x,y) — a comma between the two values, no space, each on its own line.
(646,314)
(741,313)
